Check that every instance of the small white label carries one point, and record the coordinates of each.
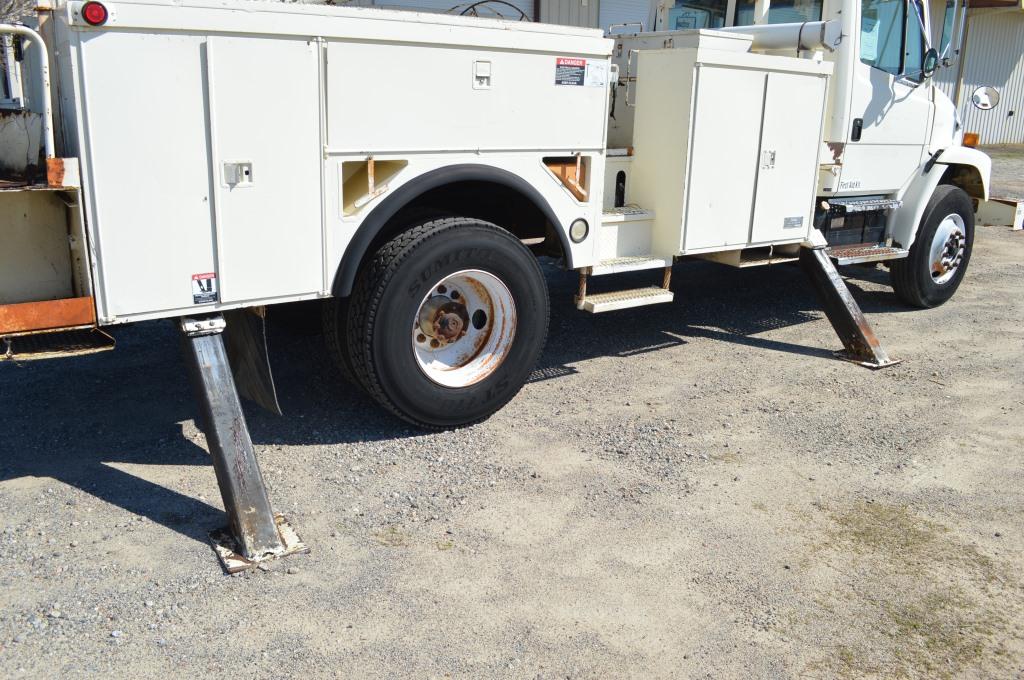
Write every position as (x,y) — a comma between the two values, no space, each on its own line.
(204,288)
(597,74)
(792,222)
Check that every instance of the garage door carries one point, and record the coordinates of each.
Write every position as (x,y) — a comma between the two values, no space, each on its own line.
(625,12)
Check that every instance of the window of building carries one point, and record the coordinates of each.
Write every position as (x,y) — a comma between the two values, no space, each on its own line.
(696,14)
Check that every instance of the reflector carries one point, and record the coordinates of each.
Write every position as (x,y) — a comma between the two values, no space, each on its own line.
(94,13)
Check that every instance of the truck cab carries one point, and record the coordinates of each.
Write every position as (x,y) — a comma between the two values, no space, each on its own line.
(890,136)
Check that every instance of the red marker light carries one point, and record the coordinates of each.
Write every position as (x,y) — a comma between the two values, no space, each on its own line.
(95,14)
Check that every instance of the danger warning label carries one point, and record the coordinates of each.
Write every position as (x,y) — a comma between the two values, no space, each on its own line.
(581,72)
(569,71)
(204,288)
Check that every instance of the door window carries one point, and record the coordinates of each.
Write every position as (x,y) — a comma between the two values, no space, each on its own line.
(891,38)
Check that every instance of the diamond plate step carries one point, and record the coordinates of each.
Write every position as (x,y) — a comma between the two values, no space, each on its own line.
(625,214)
(624,299)
(853,205)
(618,265)
(858,254)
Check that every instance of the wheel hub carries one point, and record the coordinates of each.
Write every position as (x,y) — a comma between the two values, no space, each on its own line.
(443,320)
(464,328)
(947,248)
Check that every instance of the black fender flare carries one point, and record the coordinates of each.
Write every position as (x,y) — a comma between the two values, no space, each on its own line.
(378,218)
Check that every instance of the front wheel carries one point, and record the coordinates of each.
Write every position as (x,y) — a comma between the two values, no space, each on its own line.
(446,323)
(938,259)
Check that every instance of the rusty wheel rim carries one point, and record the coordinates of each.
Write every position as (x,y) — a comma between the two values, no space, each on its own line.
(464,328)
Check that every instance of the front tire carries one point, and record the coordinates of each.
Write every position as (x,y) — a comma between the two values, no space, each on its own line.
(938,259)
(447,321)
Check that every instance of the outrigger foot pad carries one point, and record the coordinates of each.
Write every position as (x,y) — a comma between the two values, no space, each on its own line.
(234,561)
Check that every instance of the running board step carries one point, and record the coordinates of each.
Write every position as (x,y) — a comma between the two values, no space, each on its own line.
(854,205)
(619,265)
(625,214)
(55,344)
(859,254)
(624,299)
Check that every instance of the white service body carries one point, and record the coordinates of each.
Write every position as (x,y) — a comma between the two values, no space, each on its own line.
(213,136)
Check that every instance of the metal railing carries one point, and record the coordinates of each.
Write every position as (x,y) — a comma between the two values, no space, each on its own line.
(36,42)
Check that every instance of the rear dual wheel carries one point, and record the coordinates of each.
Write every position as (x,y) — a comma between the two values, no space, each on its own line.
(445,324)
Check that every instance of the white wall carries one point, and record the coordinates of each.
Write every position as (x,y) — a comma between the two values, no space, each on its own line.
(995,56)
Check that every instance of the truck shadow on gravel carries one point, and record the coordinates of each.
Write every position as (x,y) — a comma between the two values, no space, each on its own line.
(111,411)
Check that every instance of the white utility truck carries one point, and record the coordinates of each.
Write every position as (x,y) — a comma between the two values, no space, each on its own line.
(201,160)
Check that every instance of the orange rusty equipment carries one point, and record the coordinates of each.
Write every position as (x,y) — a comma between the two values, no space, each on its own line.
(47,315)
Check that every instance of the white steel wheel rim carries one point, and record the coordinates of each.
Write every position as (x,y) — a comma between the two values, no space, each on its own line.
(947,249)
(464,328)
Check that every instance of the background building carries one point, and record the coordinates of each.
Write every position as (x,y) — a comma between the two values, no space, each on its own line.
(993,55)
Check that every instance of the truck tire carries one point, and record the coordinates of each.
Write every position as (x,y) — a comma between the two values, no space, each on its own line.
(938,259)
(447,321)
(335,323)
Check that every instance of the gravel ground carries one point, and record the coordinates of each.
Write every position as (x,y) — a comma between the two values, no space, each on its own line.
(689,490)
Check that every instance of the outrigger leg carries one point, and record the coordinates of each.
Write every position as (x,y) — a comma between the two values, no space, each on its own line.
(843,312)
(254,533)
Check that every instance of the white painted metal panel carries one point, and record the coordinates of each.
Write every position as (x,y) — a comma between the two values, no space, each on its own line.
(416,99)
(147,167)
(723,156)
(896,122)
(152,179)
(788,165)
(269,231)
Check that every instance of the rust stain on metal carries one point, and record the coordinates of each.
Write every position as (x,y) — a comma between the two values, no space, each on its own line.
(55,172)
(47,315)
(837,149)
(502,323)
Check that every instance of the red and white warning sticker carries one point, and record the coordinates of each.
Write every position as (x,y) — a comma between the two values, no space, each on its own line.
(581,72)
(204,288)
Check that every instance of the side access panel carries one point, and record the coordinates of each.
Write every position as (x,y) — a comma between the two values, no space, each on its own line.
(788,160)
(723,159)
(161,115)
(145,161)
(266,166)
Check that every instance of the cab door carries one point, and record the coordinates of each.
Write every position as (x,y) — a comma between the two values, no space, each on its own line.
(892,102)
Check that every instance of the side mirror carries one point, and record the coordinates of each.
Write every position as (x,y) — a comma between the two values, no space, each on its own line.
(930,63)
(985,97)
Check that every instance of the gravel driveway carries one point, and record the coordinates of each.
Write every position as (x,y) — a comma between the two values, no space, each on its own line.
(690,490)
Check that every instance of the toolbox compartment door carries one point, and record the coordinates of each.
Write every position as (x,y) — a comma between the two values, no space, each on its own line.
(265,122)
(788,161)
